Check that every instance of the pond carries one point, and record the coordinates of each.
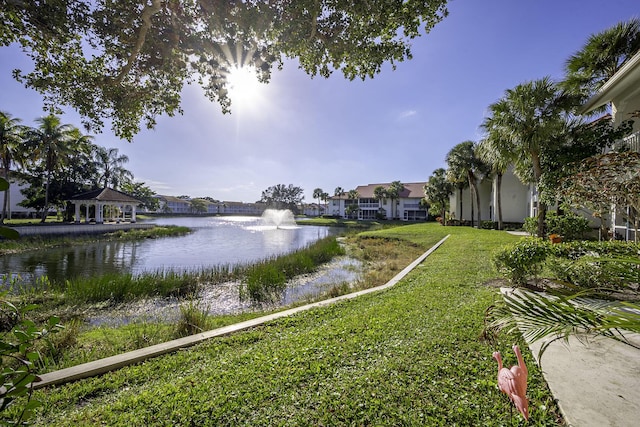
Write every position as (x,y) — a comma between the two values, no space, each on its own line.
(215,241)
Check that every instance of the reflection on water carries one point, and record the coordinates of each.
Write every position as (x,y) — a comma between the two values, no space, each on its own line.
(215,241)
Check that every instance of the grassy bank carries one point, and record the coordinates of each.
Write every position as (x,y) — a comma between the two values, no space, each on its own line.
(31,243)
(408,356)
(349,223)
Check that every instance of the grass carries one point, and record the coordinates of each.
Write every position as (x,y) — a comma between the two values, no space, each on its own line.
(408,356)
(30,243)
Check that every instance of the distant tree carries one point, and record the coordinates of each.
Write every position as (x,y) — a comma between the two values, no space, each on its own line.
(498,158)
(111,166)
(325,197)
(11,151)
(464,161)
(437,191)
(140,191)
(317,194)
(338,191)
(128,61)
(352,208)
(380,194)
(281,196)
(393,192)
(209,198)
(184,197)
(198,206)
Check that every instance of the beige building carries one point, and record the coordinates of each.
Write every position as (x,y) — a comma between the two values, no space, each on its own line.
(407,207)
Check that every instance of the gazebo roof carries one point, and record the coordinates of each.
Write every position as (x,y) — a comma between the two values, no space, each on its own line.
(105,195)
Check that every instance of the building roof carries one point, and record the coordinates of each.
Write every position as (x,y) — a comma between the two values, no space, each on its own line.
(411,190)
(106,195)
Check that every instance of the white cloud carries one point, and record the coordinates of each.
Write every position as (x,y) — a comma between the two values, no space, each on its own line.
(406,114)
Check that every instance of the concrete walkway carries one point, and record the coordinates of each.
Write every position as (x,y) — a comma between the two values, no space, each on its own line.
(596,383)
(116,362)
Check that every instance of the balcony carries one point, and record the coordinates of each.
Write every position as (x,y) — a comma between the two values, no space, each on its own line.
(631,142)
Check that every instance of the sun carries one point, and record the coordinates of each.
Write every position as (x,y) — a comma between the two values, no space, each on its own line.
(244,87)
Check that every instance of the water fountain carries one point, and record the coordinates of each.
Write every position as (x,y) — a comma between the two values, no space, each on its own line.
(278,218)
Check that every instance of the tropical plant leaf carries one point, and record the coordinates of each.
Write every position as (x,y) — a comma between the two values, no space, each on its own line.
(539,316)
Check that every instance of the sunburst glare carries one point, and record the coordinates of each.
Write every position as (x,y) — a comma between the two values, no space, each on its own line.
(244,87)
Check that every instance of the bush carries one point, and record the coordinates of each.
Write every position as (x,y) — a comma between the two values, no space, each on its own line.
(19,360)
(569,225)
(531,225)
(522,261)
(488,225)
(605,265)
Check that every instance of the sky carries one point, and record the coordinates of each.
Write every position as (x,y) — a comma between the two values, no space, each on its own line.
(328,133)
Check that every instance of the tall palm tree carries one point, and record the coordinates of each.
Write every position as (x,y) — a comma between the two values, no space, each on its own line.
(464,163)
(437,191)
(353,207)
(380,194)
(317,194)
(601,57)
(111,166)
(11,148)
(393,192)
(498,158)
(529,120)
(51,144)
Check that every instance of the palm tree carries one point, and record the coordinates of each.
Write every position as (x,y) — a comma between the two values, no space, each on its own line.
(317,194)
(437,191)
(464,163)
(51,144)
(380,194)
(110,164)
(11,147)
(353,207)
(498,159)
(324,197)
(529,120)
(393,192)
(601,57)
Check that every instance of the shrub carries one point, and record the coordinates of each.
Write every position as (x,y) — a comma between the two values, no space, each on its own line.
(569,225)
(488,225)
(522,261)
(605,265)
(531,225)
(19,360)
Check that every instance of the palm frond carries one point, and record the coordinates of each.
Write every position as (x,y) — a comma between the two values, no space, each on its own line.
(539,316)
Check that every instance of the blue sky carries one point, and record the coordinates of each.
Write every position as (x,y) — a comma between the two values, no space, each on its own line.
(330,133)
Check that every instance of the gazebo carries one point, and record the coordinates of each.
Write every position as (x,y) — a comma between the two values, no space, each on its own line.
(101,198)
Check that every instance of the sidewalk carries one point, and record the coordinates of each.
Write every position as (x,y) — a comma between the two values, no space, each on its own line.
(596,383)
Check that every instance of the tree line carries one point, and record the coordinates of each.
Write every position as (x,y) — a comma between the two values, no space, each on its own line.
(58,161)
(536,128)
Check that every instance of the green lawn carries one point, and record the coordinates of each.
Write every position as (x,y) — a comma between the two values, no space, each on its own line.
(410,355)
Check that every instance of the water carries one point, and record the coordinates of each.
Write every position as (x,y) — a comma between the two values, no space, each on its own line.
(215,241)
